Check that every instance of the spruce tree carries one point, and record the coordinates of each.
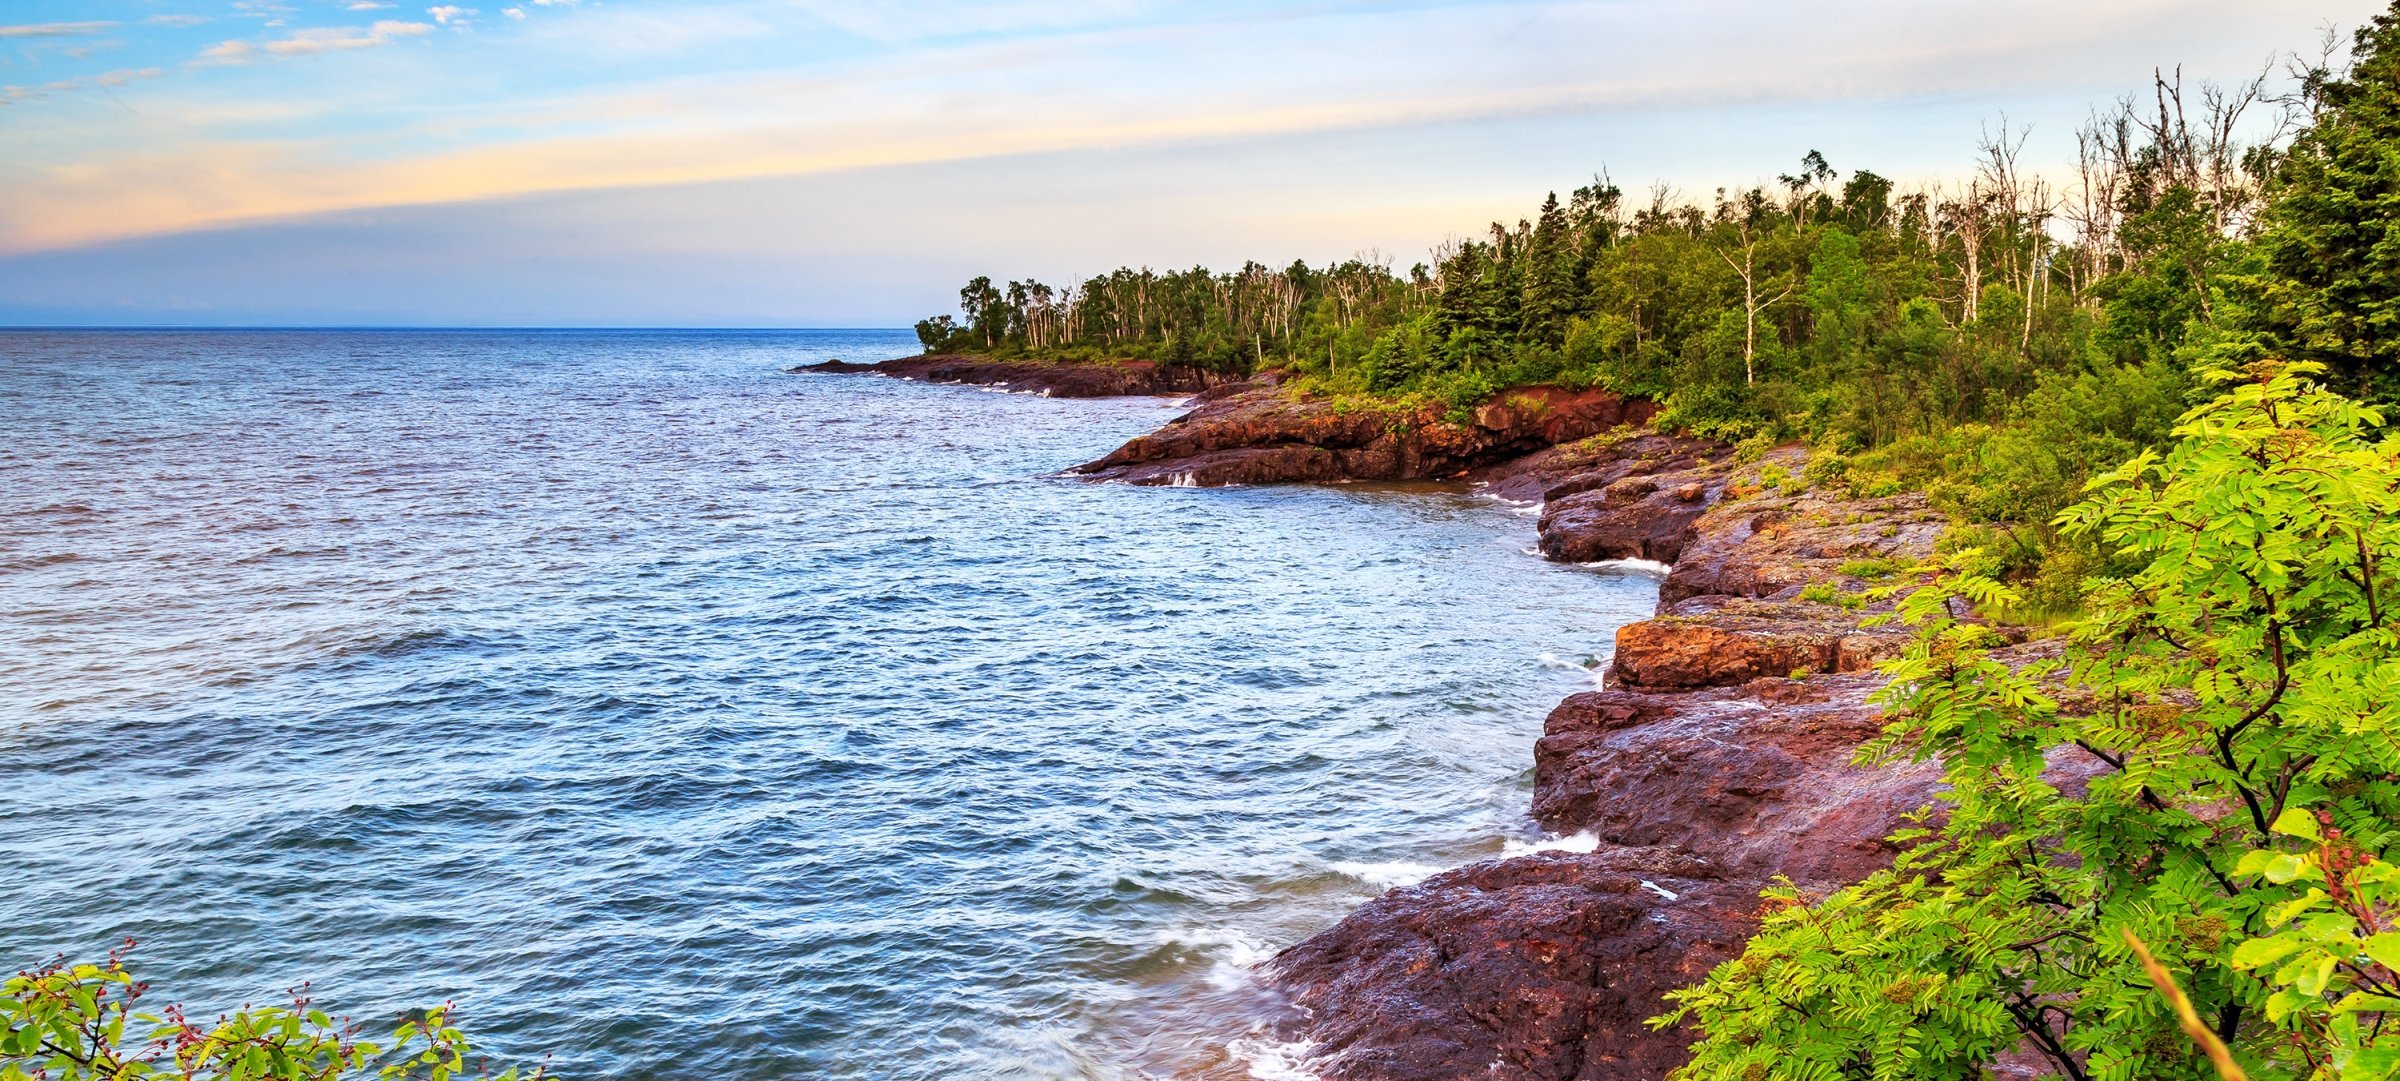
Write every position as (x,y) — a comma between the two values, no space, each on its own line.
(2331,242)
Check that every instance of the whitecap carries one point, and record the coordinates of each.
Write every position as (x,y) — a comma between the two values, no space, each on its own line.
(1648,568)
(1580,842)
(1231,953)
(1389,874)
(1270,1060)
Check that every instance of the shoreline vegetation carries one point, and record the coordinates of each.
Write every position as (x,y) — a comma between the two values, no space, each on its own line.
(2025,637)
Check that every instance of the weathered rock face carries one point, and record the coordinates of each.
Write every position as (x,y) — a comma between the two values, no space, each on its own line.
(1056,379)
(1767,544)
(1545,966)
(1636,499)
(1757,779)
(1259,434)
(1718,641)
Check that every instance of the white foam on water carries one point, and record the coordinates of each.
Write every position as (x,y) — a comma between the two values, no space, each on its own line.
(1270,1060)
(1390,874)
(1185,480)
(1231,954)
(1581,842)
(1648,568)
(1553,660)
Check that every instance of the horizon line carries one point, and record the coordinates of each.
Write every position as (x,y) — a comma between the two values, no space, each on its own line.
(447,327)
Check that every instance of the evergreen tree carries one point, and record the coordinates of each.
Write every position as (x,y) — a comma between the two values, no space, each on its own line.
(2331,241)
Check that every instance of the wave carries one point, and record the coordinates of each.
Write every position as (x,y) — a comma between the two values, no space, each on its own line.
(1274,1060)
(1232,954)
(1575,842)
(1647,568)
(1388,875)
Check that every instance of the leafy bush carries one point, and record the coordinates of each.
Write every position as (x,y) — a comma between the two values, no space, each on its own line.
(67,1022)
(1873,570)
(1829,593)
(2238,725)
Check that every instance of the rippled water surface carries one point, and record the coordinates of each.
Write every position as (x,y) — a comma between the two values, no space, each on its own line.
(677,716)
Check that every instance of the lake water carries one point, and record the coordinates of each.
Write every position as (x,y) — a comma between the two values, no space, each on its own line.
(678,716)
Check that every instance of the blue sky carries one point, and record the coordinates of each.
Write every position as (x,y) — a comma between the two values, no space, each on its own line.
(829,163)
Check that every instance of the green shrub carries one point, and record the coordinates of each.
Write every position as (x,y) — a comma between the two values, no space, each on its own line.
(2243,794)
(67,1022)
(1873,570)
(1826,468)
(1829,593)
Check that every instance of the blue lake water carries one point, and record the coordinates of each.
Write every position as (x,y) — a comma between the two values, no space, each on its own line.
(678,716)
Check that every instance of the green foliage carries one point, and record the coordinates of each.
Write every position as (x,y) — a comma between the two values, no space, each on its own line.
(1873,570)
(1830,593)
(70,1023)
(2214,765)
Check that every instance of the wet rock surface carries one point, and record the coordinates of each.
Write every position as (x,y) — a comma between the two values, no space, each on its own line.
(1095,379)
(1261,433)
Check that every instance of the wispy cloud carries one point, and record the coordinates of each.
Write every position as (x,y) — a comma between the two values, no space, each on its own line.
(331,39)
(449,14)
(312,41)
(54,30)
(127,76)
(225,53)
(176,20)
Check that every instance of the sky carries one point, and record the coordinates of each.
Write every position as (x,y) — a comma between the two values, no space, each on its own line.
(839,163)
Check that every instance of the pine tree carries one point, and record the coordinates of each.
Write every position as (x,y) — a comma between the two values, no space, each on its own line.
(1551,284)
(2331,242)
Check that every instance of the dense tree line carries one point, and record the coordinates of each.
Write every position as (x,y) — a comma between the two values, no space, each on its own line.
(1822,306)
(1995,340)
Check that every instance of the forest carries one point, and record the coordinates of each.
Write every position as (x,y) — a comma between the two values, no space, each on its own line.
(1994,340)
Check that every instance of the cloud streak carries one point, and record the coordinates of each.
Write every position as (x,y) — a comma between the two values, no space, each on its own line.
(54,30)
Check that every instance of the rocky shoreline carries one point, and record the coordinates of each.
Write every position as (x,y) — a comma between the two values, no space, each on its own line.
(1069,379)
(1718,757)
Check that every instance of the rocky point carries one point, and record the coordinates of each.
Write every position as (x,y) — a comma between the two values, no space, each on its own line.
(1057,379)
